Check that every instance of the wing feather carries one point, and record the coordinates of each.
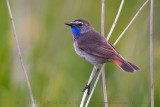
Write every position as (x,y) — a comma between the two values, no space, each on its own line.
(95,44)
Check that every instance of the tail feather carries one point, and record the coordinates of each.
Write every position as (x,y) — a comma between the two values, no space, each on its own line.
(126,66)
(134,66)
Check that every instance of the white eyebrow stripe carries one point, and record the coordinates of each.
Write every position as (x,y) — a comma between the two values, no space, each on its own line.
(78,22)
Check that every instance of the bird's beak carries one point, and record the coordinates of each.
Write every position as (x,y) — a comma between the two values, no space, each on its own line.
(69,24)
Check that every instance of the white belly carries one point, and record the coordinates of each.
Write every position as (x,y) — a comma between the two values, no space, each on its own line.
(85,55)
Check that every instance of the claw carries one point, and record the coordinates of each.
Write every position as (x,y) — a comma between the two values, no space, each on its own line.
(87,87)
(97,69)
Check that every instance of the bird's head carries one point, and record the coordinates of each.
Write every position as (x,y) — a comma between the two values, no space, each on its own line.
(79,26)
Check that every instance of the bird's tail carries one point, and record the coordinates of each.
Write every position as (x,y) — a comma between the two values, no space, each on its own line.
(125,65)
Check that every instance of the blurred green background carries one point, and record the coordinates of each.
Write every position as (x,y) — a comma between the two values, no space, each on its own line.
(57,74)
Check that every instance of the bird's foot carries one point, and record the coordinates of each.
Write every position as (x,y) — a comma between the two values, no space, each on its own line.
(97,69)
(87,87)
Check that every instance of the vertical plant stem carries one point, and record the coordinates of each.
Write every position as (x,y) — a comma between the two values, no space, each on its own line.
(102,17)
(151,54)
(104,86)
(94,86)
(19,54)
(103,70)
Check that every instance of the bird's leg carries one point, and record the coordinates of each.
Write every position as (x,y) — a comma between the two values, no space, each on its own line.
(88,85)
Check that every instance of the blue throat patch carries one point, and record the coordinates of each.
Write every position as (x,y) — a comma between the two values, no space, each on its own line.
(75,31)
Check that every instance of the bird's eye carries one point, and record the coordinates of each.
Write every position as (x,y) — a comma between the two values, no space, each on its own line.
(80,24)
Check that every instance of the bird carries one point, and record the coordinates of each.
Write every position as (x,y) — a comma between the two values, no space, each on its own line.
(93,47)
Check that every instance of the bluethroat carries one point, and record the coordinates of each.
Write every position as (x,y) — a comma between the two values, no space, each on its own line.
(93,47)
